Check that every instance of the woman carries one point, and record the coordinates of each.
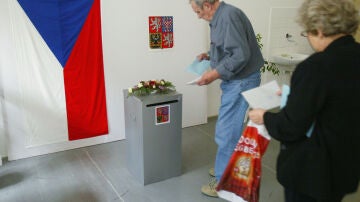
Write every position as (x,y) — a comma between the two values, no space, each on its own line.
(325,90)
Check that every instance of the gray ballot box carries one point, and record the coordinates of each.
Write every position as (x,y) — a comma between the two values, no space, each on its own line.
(153,136)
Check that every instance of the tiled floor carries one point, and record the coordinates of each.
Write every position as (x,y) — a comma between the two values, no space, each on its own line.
(98,173)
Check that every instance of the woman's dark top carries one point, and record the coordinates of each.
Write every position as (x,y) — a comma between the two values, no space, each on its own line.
(325,89)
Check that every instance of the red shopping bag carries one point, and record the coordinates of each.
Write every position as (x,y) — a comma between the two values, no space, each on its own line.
(241,179)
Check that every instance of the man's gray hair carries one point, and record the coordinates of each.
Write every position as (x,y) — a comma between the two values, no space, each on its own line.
(200,3)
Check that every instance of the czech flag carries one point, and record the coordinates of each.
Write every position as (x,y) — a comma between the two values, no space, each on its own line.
(60,69)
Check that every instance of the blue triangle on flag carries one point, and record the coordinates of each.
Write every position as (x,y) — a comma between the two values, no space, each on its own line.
(59,22)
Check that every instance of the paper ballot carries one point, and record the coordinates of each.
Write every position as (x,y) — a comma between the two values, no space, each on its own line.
(198,67)
(264,96)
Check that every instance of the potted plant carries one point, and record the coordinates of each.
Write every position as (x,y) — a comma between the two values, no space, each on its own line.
(268,66)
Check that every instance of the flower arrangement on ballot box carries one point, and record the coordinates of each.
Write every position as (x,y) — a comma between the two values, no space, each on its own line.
(241,179)
(144,88)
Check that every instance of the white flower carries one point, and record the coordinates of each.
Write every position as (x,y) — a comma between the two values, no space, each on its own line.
(140,85)
(130,90)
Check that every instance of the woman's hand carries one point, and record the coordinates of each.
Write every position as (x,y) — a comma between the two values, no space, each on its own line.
(257,116)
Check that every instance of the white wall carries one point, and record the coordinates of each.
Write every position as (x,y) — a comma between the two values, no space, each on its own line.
(282,23)
(127,53)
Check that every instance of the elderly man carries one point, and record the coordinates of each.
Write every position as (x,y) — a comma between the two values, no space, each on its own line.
(236,59)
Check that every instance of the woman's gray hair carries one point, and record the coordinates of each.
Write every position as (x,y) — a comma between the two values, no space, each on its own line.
(330,16)
(200,3)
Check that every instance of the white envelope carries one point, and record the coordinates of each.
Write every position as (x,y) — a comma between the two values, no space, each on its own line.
(193,82)
(264,96)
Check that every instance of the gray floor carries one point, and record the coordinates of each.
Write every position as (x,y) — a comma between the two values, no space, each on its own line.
(98,173)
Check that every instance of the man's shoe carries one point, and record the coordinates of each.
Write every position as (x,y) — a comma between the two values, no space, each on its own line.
(210,189)
(212,172)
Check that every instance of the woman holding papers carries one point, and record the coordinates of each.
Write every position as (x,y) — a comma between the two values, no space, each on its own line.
(324,91)
(236,59)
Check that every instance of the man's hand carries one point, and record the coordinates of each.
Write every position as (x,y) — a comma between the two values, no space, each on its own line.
(208,77)
(203,56)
